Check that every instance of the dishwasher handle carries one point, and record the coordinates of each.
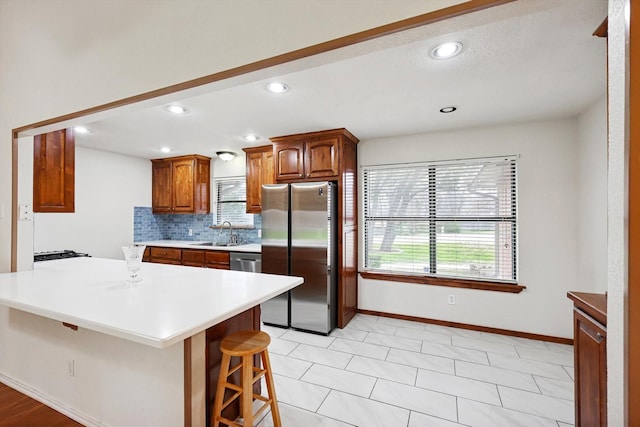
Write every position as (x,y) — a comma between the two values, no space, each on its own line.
(245,262)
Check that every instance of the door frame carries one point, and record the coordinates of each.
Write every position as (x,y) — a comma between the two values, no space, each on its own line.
(633,199)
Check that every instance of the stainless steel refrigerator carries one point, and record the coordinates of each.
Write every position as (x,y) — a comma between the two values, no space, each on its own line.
(299,238)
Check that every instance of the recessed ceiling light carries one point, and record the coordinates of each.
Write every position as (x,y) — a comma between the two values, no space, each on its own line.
(81,129)
(251,137)
(165,149)
(177,109)
(446,50)
(449,109)
(277,87)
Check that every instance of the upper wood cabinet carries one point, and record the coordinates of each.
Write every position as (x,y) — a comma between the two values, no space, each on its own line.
(161,194)
(181,185)
(259,171)
(54,172)
(315,155)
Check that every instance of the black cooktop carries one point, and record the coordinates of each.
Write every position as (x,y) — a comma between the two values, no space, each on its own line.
(48,256)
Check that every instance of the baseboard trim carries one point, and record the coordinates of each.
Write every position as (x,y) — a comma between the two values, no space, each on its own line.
(499,331)
(53,404)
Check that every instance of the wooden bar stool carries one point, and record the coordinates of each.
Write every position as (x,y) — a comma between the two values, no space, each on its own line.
(245,344)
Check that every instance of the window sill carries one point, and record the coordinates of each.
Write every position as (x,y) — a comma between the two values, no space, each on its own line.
(442,281)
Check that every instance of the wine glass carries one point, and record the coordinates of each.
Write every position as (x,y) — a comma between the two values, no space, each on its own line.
(133,255)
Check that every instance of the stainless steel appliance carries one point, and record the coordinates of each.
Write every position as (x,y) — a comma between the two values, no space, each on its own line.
(299,238)
(245,261)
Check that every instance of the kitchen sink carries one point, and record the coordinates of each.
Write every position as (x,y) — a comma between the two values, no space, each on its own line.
(214,244)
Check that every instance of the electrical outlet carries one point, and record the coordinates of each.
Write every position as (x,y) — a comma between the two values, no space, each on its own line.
(71,368)
(451,299)
(191,232)
(259,233)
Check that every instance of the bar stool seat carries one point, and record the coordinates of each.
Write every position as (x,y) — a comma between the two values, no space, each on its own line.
(245,344)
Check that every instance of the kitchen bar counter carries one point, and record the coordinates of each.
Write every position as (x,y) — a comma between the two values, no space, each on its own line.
(189,244)
(170,304)
(145,354)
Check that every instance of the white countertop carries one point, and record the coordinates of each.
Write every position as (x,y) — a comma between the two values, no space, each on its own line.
(170,304)
(188,244)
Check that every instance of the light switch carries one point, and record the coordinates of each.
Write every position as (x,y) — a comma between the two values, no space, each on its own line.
(24,212)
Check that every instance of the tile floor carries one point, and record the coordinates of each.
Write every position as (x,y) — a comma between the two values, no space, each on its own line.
(388,372)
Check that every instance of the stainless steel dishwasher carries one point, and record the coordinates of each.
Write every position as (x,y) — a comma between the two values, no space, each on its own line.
(245,261)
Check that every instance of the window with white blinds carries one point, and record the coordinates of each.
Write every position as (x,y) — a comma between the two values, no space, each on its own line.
(447,219)
(231,202)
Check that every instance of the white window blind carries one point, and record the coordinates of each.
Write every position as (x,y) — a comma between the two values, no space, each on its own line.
(452,219)
(231,202)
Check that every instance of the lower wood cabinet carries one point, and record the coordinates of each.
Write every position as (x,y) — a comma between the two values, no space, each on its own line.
(191,257)
(163,255)
(590,353)
(217,259)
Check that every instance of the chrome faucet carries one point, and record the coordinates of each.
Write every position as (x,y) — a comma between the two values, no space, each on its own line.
(231,236)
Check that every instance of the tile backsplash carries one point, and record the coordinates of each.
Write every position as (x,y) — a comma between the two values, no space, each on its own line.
(147,227)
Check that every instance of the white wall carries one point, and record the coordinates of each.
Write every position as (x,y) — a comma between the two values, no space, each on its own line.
(108,186)
(592,198)
(547,228)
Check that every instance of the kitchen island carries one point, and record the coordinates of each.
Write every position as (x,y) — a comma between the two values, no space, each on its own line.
(129,354)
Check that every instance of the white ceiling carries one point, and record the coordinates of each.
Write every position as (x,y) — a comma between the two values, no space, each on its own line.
(527,60)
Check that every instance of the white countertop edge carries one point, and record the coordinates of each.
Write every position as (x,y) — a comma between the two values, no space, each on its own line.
(188,244)
(139,338)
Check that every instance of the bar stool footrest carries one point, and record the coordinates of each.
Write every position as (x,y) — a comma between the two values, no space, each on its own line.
(266,405)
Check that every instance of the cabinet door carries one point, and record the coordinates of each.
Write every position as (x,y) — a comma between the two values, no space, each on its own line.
(255,167)
(217,259)
(259,171)
(289,161)
(183,186)
(321,158)
(268,173)
(202,200)
(590,371)
(53,172)
(162,255)
(193,258)
(161,188)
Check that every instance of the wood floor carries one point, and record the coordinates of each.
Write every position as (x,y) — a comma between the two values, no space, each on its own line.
(18,410)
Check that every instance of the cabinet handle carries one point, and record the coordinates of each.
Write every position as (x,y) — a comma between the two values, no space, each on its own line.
(598,335)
